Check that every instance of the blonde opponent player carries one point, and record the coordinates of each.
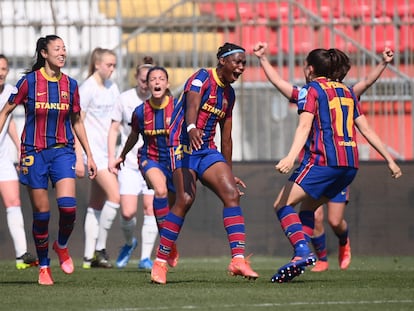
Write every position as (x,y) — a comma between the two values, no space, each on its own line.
(98,95)
(9,183)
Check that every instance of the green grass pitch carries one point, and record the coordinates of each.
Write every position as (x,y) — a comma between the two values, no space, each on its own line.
(371,283)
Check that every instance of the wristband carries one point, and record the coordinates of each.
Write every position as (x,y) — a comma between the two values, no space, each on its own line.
(190,127)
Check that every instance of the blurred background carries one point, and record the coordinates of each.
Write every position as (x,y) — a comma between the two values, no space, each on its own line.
(183,35)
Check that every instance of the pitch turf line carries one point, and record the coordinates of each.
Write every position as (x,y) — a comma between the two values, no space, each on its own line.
(265,305)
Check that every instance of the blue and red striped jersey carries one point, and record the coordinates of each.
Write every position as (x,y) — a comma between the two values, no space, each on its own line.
(332,140)
(153,123)
(48,103)
(216,104)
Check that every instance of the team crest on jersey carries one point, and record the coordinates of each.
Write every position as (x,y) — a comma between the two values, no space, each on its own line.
(302,93)
(64,94)
(197,82)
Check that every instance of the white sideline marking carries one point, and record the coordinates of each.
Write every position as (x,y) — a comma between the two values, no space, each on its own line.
(264,305)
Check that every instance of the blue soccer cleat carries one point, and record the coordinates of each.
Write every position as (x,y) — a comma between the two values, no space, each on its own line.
(125,254)
(145,264)
(293,269)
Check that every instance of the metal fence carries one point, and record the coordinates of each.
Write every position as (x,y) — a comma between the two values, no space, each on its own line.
(183,35)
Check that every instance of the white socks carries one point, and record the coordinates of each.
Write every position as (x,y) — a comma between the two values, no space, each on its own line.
(149,234)
(16,227)
(91,231)
(128,227)
(108,215)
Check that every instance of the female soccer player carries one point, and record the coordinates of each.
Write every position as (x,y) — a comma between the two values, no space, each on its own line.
(208,100)
(9,181)
(151,120)
(329,160)
(336,206)
(98,96)
(131,181)
(51,102)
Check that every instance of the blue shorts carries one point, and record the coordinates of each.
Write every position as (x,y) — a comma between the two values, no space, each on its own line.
(197,160)
(341,197)
(55,163)
(146,164)
(318,181)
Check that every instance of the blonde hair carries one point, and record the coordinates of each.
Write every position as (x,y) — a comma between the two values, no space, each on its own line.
(96,56)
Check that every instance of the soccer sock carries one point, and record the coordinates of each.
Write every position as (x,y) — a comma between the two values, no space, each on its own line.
(67,217)
(343,238)
(161,210)
(149,233)
(40,230)
(308,223)
(108,215)
(128,227)
(319,243)
(16,227)
(234,224)
(292,226)
(169,234)
(91,231)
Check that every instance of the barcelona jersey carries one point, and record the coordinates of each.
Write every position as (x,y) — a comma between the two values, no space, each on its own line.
(216,105)
(48,103)
(153,123)
(332,140)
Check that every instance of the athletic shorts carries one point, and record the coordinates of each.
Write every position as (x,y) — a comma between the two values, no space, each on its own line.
(7,170)
(100,157)
(198,161)
(341,197)
(131,182)
(318,181)
(55,163)
(146,164)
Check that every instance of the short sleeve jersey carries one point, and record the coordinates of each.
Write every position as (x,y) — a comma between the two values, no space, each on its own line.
(217,102)
(152,122)
(332,140)
(97,102)
(122,112)
(48,103)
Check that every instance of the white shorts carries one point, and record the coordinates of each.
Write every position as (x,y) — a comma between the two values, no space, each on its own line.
(7,170)
(100,156)
(131,182)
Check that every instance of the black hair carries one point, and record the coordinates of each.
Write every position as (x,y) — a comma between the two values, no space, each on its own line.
(228,47)
(41,44)
(156,68)
(333,63)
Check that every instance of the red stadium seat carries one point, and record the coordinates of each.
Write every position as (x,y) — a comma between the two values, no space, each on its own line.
(249,35)
(232,10)
(406,34)
(361,8)
(303,37)
(338,36)
(276,10)
(323,8)
(375,36)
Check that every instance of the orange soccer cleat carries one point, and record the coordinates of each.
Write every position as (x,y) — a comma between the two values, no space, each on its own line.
(241,266)
(45,276)
(159,272)
(320,266)
(66,263)
(173,258)
(344,255)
